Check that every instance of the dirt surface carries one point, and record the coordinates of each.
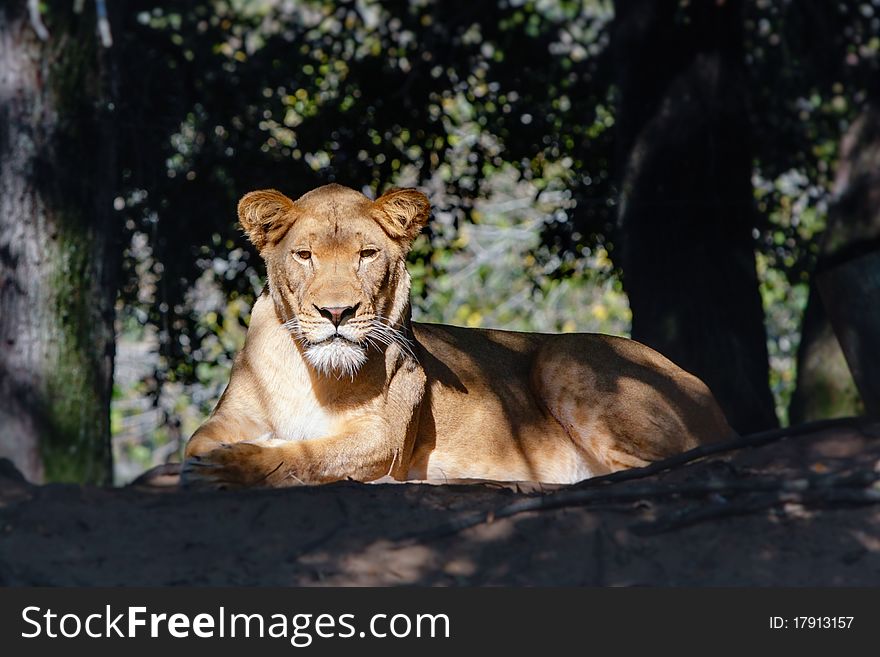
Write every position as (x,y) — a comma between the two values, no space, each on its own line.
(799,511)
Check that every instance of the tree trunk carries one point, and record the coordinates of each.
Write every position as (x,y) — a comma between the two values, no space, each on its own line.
(58,246)
(851,297)
(686,209)
(825,386)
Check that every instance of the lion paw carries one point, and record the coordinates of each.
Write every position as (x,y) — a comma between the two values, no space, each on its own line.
(235,465)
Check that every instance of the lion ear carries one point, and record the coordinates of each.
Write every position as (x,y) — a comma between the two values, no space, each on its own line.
(403,212)
(265,216)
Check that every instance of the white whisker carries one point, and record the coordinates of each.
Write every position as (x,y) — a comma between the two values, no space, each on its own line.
(387,332)
(361,335)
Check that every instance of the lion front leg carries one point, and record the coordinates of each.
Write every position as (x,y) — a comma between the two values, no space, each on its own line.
(367,447)
(272,465)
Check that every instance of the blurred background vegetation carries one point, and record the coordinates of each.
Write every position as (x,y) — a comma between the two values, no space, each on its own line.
(540,129)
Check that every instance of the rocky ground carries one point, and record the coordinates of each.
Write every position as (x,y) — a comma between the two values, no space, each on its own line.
(796,511)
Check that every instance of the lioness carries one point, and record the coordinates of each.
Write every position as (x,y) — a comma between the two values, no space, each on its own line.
(336,382)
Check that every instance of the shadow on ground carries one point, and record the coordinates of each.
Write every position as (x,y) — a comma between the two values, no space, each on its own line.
(351,534)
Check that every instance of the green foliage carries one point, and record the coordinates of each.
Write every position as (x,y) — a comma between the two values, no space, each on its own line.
(495,272)
(784,305)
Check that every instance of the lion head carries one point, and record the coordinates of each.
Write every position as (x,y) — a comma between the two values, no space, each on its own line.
(336,265)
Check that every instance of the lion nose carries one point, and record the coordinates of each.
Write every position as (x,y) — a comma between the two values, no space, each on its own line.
(338,314)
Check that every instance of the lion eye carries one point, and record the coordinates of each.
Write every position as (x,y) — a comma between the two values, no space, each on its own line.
(368,253)
(302,254)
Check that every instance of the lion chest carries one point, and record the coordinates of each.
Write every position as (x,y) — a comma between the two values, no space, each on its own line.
(294,412)
(302,419)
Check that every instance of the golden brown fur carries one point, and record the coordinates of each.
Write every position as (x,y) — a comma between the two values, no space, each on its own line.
(336,382)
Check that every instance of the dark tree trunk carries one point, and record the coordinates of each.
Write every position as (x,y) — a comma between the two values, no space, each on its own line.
(851,297)
(686,209)
(825,386)
(57,246)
